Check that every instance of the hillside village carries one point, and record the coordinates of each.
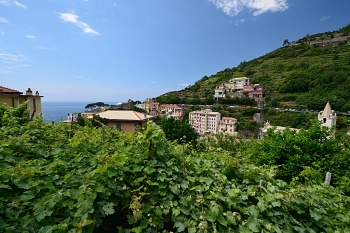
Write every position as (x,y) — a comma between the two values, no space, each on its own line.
(128,117)
(215,104)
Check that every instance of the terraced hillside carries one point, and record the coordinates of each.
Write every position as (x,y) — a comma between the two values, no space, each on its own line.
(303,74)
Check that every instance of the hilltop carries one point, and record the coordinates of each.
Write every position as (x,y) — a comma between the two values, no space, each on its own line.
(303,74)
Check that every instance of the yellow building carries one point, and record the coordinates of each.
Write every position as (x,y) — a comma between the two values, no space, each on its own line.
(13,98)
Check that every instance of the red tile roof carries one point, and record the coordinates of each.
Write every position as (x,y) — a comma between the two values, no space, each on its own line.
(6,90)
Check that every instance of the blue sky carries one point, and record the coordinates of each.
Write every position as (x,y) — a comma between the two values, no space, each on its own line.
(113,50)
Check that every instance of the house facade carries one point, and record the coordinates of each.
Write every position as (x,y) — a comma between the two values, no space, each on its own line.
(205,121)
(172,110)
(154,108)
(231,89)
(126,120)
(239,83)
(255,91)
(228,125)
(14,98)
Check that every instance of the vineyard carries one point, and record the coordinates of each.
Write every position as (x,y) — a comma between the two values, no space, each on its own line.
(69,178)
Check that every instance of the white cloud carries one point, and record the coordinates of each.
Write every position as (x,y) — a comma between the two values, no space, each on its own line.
(19,4)
(234,7)
(6,57)
(12,61)
(12,2)
(40,47)
(5,2)
(240,21)
(30,37)
(73,18)
(325,18)
(3,20)
(3,33)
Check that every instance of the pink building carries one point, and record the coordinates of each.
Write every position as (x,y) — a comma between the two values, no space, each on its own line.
(154,108)
(205,121)
(255,91)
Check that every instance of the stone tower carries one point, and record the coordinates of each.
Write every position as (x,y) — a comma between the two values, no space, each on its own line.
(328,117)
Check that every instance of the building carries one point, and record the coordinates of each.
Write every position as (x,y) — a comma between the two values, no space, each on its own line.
(239,83)
(231,89)
(72,117)
(328,117)
(125,120)
(172,110)
(14,98)
(255,91)
(228,125)
(205,121)
(268,126)
(154,108)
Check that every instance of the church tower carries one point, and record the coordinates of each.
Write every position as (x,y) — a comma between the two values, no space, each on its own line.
(328,117)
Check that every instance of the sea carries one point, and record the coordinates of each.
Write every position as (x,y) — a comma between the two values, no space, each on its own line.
(58,111)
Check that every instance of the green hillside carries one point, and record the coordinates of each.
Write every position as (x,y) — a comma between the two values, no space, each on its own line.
(304,74)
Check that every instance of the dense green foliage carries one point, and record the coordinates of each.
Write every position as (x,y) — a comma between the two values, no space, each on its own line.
(95,121)
(305,74)
(58,178)
(178,131)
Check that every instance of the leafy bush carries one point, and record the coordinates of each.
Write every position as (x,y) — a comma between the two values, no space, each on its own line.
(54,181)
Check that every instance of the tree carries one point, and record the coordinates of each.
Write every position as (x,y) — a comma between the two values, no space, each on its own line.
(292,151)
(96,121)
(179,131)
(285,42)
(97,104)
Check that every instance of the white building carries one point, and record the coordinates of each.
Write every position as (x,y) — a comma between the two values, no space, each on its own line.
(328,117)
(205,121)
(232,88)
(72,116)
(239,83)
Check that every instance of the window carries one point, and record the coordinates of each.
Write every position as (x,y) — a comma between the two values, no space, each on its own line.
(34,104)
(118,126)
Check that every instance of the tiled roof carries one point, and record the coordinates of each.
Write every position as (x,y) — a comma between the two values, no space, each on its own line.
(229,118)
(6,90)
(124,115)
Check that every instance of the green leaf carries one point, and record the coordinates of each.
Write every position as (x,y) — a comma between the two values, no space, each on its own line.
(161,176)
(276,203)
(222,220)
(315,215)
(46,229)
(108,209)
(253,224)
(210,216)
(253,211)
(180,226)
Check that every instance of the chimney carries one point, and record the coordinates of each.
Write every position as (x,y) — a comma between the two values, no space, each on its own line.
(36,93)
(29,91)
